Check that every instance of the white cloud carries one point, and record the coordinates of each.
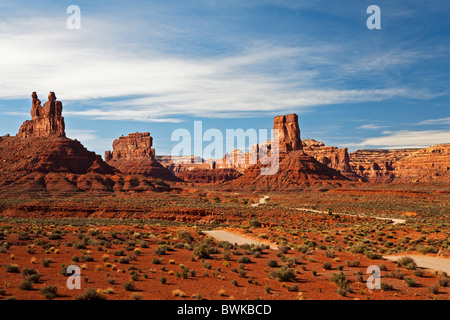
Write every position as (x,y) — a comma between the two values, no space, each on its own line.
(406,139)
(89,66)
(370,126)
(435,121)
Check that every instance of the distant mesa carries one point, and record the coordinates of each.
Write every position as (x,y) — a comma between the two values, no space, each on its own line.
(134,155)
(46,121)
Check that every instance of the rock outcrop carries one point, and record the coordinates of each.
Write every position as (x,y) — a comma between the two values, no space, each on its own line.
(134,155)
(178,164)
(208,175)
(403,165)
(296,169)
(330,156)
(288,132)
(46,121)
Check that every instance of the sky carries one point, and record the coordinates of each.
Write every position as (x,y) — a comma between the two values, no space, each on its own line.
(158,66)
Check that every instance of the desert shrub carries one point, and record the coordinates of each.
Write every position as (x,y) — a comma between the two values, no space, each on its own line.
(26,285)
(90,294)
(87,258)
(434,289)
(357,248)
(426,249)
(386,287)
(272,263)
(156,261)
(341,281)
(234,283)
(129,286)
(293,288)
(410,282)
(354,263)
(244,259)
(326,265)
(49,292)
(372,255)
(12,268)
(206,264)
(46,262)
(418,273)
(283,274)
(254,223)
(443,282)
(124,260)
(398,274)
(203,250)
(302,248)
(163,279)
(283,249)
(407,262)
(119,253)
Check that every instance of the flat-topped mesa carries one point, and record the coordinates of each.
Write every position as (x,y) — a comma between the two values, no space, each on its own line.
(134,155)
(46,121)
(134,146)
(288,133)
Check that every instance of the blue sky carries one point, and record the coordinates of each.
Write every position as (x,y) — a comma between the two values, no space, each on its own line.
(159,65)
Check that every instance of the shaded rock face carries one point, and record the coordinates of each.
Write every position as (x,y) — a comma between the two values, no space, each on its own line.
(288,132)
(208,175)
(134,155)
(296,169)
(46,121)
(330,156)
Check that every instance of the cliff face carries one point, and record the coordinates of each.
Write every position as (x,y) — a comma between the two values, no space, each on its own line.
(134,155)
(46,121)
(332,157)
(403,165)
(134,146)
(208,175)
(288,132)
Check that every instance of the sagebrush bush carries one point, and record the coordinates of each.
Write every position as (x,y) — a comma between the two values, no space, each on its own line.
(283,274)
(49,292)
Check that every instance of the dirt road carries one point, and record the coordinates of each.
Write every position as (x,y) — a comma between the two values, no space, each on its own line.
(433,263)
(231,237)
(261,201)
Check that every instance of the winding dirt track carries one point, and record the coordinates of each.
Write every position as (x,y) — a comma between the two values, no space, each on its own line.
(433,263)
(394,220)
(231,237)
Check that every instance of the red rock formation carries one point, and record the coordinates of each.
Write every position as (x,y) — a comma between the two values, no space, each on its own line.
(134,155)
(134,146)
(332,157)
(296,169)
(46,121)
(403,165)
(288,132)
(208,175)
(177,164)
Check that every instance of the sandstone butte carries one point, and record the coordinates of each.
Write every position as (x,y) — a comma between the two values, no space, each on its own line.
(40,158)
(296,168)
(134,155)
